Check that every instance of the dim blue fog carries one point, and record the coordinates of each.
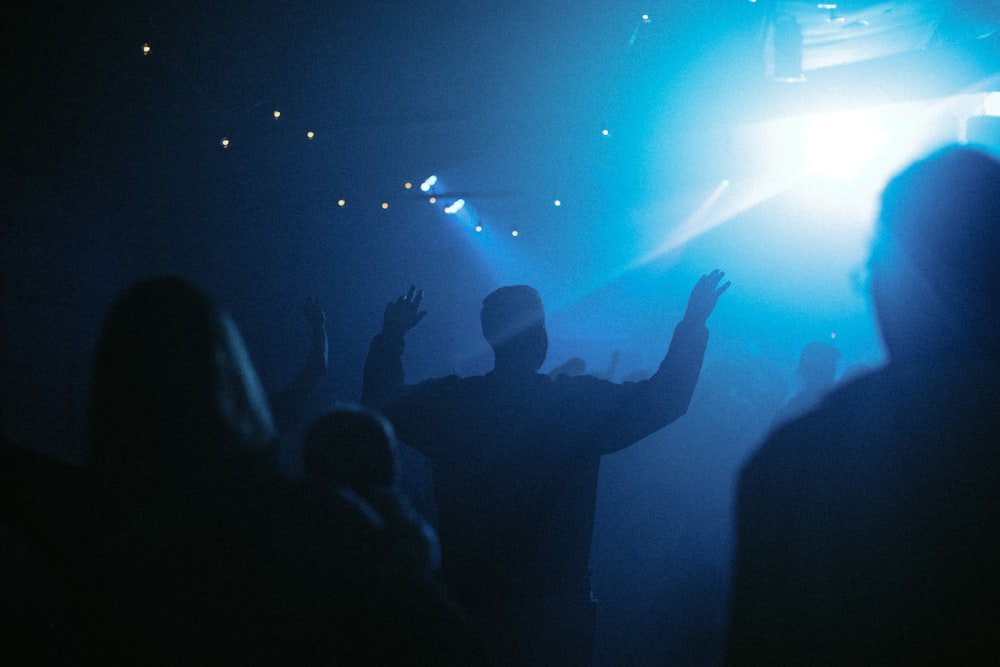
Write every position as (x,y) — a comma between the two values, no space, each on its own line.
(114,171)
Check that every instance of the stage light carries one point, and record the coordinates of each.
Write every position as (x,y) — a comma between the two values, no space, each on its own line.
(605,132)
(341,202)
(385,205)
(557,203)
(455,207)
(145,49)
(786,49)
(840,145)
(277,114)
(407,185)
(429,183)
(224,142)
(645,18)
(479,228)
(433,200)
(310,135)
(991,104)
(513,232)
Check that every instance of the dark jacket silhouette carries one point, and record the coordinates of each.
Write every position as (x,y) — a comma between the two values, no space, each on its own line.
(515,458)
(869,529)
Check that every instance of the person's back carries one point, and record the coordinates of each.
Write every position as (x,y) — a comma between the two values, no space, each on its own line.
(869,529)
(515,458)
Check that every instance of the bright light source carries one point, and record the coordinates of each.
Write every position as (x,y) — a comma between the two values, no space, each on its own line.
(145,49)
(429,183)
(277,114)
(385,205)
(841,144)
(455,207)
(991,105)
(645,18)
(310,135)
(341,202)
(513,232)
(433,200)
(557,202)
(605,132)
(479,228)
(407,185)
(224,142)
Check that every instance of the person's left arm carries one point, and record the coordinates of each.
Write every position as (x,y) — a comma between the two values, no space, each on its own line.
(288,404)
(642,408)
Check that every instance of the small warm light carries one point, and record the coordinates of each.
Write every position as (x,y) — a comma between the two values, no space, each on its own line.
(479,228)
(277,114)
(407,185)
(145,49)
(224,142)
(433,200)
(385,205)
(514,233)
(310,135)
(341,202)
(557,202)
(605,132)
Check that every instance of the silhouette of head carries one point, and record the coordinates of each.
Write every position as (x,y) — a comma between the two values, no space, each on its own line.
(351,447)
(172,387)
(818,364)
(936,235)
(513,320)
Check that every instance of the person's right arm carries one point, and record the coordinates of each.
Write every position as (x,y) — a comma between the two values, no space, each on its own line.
(383,381)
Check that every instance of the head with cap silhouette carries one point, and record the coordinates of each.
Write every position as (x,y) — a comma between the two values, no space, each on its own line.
(513,320)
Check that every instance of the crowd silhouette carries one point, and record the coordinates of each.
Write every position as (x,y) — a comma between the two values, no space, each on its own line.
(868,520)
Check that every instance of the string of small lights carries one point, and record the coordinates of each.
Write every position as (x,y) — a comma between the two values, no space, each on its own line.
(450,203)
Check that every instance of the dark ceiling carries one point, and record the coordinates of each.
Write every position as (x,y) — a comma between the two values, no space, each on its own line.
(114,167)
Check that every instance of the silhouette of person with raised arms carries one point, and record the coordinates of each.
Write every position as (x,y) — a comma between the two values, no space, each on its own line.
(868,530)
(515,456)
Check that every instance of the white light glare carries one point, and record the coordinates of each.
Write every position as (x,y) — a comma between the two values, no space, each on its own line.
(455,207)
(841,144)
(429,183)
(991,105)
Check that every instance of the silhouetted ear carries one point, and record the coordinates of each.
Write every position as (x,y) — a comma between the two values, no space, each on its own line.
(544,347)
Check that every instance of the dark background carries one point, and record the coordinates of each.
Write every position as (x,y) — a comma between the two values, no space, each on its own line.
(114,171)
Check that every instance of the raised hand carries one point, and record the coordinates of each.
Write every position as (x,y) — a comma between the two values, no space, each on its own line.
(404,313)
(319,353)
(704,296)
